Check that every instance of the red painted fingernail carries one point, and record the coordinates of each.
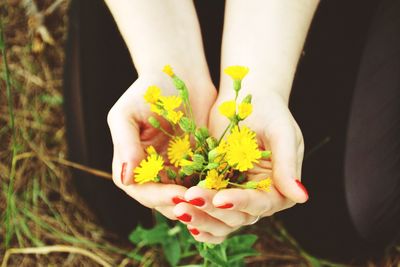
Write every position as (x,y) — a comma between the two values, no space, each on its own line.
(279,192)
(197,202)
(302,187)
(178,200)
(194,231)
(225,206)
(185,217)
(123,172)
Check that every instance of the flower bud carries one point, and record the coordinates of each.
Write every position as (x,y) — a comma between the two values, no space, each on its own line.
(212,155)
(212,165)
(266,154)
(251,184)
(187,125)
(247,99)
(211,142)
(171,174)
(154,122)
(188,170)
(201,134)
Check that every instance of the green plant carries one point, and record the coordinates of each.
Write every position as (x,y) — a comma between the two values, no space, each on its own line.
(179,246)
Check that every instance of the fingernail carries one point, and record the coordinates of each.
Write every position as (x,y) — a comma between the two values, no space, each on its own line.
(185,217)
(301,187)
(197,202)
(123,172)
(194,231)
(178,200)
(225,206)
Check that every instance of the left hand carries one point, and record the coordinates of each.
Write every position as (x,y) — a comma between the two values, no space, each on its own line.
(211,215)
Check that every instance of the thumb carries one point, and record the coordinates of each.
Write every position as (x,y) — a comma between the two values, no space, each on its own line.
(128,150)
(285,153)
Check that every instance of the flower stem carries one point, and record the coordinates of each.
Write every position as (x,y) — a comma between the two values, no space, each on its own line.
(165,132)
(223,134)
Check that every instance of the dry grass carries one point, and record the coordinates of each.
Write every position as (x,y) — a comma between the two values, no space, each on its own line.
(45,223)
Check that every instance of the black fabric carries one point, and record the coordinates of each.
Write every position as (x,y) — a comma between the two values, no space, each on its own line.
(345,98)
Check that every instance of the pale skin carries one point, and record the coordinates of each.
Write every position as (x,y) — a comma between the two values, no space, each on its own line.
(265,35)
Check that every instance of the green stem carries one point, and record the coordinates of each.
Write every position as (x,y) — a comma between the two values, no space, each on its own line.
(238,185)
(223,134)
(165,132)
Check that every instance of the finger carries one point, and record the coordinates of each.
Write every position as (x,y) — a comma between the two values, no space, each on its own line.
(167,211)
(251,201)
(206,237)
(202,199)
(156,194)
(128,151)
(283,141)
(188,214)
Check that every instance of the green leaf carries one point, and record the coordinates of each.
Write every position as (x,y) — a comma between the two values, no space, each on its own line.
(214,257)
(156,235)
(172,251)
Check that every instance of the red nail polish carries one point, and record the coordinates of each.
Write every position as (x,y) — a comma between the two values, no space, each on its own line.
(185,217)
(178,200)
(123,172)
(225,206)
(194,231)
(302,187)
(197,202)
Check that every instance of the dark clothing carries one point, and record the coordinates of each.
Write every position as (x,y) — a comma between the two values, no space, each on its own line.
(346,99)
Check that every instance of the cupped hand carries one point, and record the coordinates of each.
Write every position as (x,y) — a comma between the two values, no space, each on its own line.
(219,213)
(131,134)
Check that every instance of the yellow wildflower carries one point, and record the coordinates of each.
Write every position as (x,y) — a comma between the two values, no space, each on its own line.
(245,110)
(228,109)
(151,150)
(237,73)
(152,94)
(156,109)
(148,169)
(242,149)
(168,70)
(170,102)
(222,147)
(215,181)
(265,184)
(178,149)
(174,116)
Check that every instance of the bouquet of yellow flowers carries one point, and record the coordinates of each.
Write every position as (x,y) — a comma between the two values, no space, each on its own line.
(193,154)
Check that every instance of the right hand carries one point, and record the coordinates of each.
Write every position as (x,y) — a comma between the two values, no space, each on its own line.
(131,134)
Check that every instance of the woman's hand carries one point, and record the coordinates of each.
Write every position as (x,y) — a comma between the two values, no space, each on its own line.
(219,213)
(131,134)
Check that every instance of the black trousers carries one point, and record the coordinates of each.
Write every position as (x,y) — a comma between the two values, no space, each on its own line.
(346,99)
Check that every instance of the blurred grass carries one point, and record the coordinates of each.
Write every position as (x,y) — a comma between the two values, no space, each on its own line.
(43,220)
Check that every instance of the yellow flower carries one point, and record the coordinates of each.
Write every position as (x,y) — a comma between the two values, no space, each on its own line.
(174,116)
(168,70)
(170,102)
(178,149)
(148,169)
(228,109)
(221,148)
(237,73)
(215,181)
(152,94)
(156,109)
(245,110)
(242,149)
(151,150)
(265,184)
